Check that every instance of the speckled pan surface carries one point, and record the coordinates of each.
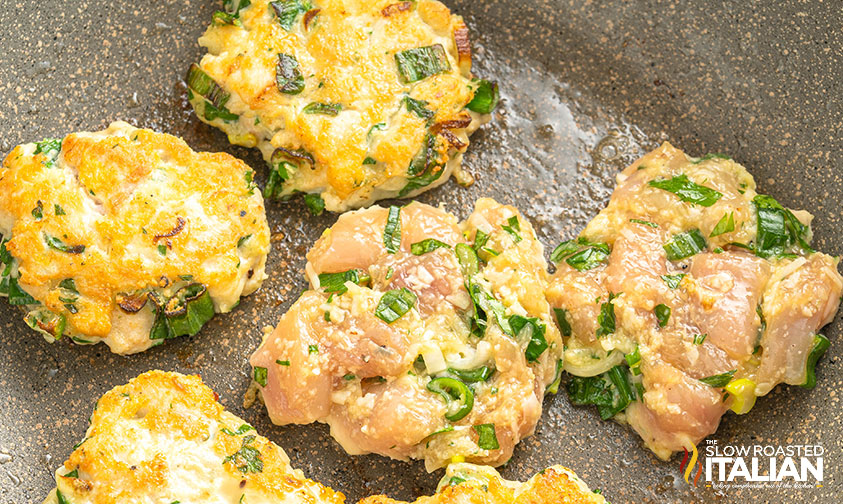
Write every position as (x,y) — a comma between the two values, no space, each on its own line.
(587,85)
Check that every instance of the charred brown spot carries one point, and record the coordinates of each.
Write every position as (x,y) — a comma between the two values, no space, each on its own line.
(132,303)
(309,16)
(173,232)
(396,8)
(461,122)
(49,327)
(294,156)
(242,483)
(453,140)
(163,282)
(463,43)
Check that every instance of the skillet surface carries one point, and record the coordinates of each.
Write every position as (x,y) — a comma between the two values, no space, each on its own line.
(587,88)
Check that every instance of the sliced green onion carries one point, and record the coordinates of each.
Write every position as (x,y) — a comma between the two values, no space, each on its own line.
(513,228)
(778,230)
(606,319)
(57,244)
(260,375)
(487,437)
(581,254)
(59,210)
(314,203)
(423,169)
(726,224)
(38,211)
(719,380)
(457,395)
(711,155)
(392,230)
(553,388)
(467,257)
(370,161)
(645,223)
(248,458)
(280,362)
(394,304)
(242,240)
(234,7)
(329,109)
(240,430)
(486,97)
(312,349)
(17,296)
(421,62)
(335,282)
(562,321)
(684,245)
(427,245)
(699,339)
(184,313)
(50,148)
(611,391)
(480,374)
(537,342)
(821,344)
(418,107)
(46,322)
(662,314)
(486,304)
(688,191)
(288,11)
(202,84)
(480,239)
(288,77)
(673,281)
(633,360)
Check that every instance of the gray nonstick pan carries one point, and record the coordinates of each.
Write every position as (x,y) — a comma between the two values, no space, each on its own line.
(587,87)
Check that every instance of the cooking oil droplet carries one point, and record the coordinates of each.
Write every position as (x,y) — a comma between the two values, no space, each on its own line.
(15,480)
(47,461)
(5,458)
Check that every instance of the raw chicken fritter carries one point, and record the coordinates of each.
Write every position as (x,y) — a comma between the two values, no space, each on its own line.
(349,101)
(420,337)
(127,236)
(690,295)
(164,438)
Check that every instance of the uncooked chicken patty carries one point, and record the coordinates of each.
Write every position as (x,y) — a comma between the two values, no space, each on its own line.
(420,337)
(127,236)
(163,437)
(349,101)
(690,294)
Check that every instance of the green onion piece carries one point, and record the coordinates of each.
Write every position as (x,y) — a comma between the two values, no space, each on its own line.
(535,329)
(335,282)
(392,230)
(455,481)
(50,148)
(248,458)
(486,304)
(242,240)
(224,18)
(821,344)
(69,284)
(513,228)
(282,362)
(234,7)
(553,388)
(581,254)
(562,321)
(314,203)
(645,223)
(699,338)
(212,112)
(423,169)
(662,314)
(633,360)
(329,109)
(288,11)
(46,322)
(162,249)
(240,430)
(688,191)
(17,296)
(198,309)
(202,84)
(480,374)
(377,127)
(427,245)
(726,224)
(480,239)
(72,474)
(38,211)
(606,319)
(421,62)
(370,161)
(288,77)
(486,97)
(779,231)
(61,498)
(684,245)
(611,391)
(487,437)
(59,210)
(719,380)
(457,395)
(711,155)
(394,304)
(312,349)
(260,375)
(467,257)
(673,281)
(418,107)
(56,244)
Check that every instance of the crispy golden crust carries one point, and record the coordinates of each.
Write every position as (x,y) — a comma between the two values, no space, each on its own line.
(345,51)
(136,209)
(163,437)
